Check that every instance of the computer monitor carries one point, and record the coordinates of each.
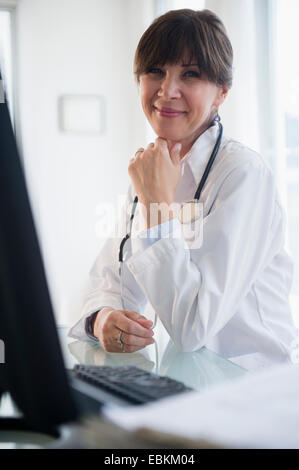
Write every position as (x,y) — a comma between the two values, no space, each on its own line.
(33,371)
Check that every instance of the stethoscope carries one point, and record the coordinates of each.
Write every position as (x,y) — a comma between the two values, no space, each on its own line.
(192,202)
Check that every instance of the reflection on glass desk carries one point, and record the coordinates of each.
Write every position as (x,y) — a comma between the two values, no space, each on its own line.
(198,370)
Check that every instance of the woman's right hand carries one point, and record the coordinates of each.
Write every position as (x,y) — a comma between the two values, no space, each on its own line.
(136,330)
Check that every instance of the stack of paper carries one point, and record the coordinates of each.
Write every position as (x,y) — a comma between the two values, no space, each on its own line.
(256,411)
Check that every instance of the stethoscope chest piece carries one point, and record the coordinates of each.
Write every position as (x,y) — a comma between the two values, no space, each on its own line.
(190,211)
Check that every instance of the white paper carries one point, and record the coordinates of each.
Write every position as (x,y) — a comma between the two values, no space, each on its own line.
(258,411)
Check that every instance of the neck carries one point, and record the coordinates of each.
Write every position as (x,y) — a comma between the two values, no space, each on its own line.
(185,147)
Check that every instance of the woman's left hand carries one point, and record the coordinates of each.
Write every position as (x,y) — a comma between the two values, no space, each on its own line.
(155,172)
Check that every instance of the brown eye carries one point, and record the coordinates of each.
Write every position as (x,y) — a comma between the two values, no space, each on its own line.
(192,73)
(155,71)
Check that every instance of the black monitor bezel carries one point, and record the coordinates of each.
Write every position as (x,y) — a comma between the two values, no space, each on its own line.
(34,371)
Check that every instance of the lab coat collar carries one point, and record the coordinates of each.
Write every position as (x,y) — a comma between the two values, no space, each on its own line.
(200,152)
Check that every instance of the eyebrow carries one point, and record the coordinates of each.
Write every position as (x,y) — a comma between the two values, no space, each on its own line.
(190,65)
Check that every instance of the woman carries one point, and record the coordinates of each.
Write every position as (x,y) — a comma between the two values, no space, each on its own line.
(230,291)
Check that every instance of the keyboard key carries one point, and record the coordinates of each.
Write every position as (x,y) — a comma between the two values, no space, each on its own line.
(129,382)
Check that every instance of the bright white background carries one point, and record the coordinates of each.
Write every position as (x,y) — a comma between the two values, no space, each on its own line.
(86,47)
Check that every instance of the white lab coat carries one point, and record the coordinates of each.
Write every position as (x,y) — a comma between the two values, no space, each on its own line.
(230,294)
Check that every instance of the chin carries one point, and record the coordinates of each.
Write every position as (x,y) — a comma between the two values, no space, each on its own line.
(168,134)
(171,137)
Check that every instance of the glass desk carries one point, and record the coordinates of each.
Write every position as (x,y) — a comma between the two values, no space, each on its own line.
(198,370)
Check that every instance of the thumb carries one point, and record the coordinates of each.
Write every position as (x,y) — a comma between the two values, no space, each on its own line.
(175,154)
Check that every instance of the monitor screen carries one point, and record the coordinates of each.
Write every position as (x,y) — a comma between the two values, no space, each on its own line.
(33,371)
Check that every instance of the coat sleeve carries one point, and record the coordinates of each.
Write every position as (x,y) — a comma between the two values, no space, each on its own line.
(195,292)
(104,280)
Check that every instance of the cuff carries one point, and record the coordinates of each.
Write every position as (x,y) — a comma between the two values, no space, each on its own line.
(160,252)
(148,237)
(89,324)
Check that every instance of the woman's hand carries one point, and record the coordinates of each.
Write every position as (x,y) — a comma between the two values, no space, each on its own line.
(155,172)
(136,332)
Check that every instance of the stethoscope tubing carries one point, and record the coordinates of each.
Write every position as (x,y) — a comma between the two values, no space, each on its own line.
(135,202)
(196,196)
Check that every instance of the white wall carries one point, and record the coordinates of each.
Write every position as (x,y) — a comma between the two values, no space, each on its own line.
(240,111)
(76,47)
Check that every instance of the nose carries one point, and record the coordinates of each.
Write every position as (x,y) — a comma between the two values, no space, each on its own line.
(169,87)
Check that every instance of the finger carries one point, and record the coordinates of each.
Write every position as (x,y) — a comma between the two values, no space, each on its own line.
(139,152)
(132,167)
(132,340)
(136,316)
(160,142)
(131,327)
(146,323)
(175,153)
(131,162)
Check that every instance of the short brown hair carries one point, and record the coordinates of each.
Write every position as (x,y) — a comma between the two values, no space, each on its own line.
(199,33)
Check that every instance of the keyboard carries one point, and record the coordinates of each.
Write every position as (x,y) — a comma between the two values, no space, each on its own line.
(130,383)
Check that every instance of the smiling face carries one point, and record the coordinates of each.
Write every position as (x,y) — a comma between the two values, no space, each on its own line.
(179,102)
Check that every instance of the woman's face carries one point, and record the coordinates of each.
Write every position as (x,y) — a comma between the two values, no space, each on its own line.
(178,102)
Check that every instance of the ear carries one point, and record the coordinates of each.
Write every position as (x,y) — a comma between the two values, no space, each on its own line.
(222,93)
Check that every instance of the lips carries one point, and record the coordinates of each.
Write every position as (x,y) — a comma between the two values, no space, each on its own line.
(169,112)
